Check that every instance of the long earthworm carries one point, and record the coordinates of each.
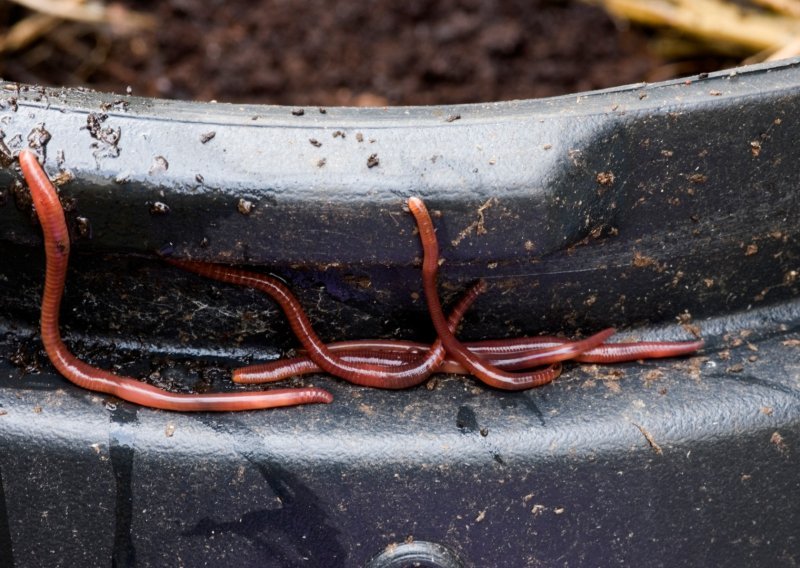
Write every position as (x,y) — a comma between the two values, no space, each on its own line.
(406,375)
(502,353)
(475,364)
(57,245)
(604,353)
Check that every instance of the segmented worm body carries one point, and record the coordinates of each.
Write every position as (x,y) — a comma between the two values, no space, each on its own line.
(475,364)
(56,242)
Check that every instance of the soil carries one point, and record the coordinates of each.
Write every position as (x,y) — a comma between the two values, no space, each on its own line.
(376,53)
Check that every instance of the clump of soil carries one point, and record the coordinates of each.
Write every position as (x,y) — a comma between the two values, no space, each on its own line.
(318,52)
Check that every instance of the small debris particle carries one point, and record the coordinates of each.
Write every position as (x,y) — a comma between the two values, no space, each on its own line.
(766,410)
(605,178)
(537,509)
(199,178)
(559,510)
(642,261)
(667,153)
(373,161)
(715,93)
(791,343)
(322,110)
(159,208)
(547,146)
(339,134)
(159,165)
(751,249)
(3,411)
(359,137)
(38,137)
(314,142)
(755,148)
(84,227)
(691,328)
(453,118)
(107,138)
(779,443)
(321,163)
(653,375)
(698,178)
(63,177)
(642,96)
(481,516)
(479,225)
(709,282)
(245,207)
(737,368)
(207,137)
(703,76)
(492,161)
(169,431)
(298,112)
(484,432)
(38,410)
(529,246)
(650,440)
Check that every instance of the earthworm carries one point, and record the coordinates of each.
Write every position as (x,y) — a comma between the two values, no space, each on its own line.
(388,352)
(396,353)
(403,376)
(475,364)
(605,353)
(56,243)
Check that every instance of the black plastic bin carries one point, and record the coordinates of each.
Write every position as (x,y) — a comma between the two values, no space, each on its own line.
(658,209)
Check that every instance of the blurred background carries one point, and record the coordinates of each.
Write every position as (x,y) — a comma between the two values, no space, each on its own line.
(383,52)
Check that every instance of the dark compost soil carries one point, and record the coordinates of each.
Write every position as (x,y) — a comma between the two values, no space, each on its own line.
(317,52)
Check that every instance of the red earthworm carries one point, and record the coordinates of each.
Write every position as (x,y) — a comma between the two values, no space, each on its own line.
(56,241)
(365,374)
(389,354)
(476,365)
(606,353)
(634,351)
(506,356)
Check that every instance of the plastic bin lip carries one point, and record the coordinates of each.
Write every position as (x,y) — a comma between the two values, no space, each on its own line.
(693,217)
(581,103)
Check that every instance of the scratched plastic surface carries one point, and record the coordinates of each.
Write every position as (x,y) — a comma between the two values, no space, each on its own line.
(639,207)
